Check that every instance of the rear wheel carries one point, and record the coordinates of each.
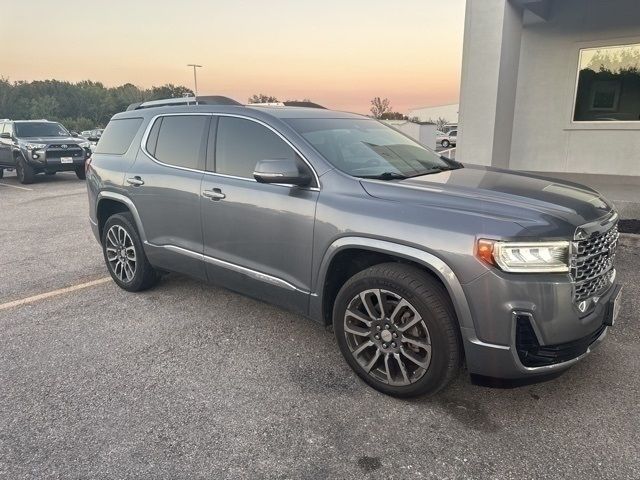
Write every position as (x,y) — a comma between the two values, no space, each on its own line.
(80,172)
(396,328)
(124,255)
(445,143)
(24,171)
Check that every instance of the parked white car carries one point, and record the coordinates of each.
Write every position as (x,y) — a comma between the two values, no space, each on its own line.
(447,139)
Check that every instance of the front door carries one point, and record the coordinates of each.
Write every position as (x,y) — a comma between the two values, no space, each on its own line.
(257,237)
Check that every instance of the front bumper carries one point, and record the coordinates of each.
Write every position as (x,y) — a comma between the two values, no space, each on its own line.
(51,160)
(523,328)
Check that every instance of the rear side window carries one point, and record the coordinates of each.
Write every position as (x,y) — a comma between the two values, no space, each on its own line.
(181,141)
(241,143)
(118,135)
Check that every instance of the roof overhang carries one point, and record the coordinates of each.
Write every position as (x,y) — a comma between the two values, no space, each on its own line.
(540,9)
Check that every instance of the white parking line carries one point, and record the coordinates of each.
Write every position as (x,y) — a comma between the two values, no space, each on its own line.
(54,293)
(15,186)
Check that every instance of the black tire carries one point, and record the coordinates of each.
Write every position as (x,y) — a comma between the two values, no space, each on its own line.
(445,143)
(431,301)
(80,172)
(24,171)
(1,172)
(144,275)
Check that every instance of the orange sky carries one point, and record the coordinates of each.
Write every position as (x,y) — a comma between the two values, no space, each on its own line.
(339,53)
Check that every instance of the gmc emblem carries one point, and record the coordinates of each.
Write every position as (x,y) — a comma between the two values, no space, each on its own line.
(64,147)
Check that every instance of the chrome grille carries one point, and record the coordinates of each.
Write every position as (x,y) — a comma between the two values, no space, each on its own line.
(592,266)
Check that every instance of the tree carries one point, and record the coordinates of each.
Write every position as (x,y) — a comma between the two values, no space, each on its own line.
(380,106)
(393,116)
(170,91)
(262,98)
(440,123)
(78,106)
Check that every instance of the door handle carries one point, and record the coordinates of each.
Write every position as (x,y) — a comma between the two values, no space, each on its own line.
(215,194)
(135,181)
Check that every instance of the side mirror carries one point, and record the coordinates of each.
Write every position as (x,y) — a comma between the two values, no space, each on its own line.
(281,171)
(5,135)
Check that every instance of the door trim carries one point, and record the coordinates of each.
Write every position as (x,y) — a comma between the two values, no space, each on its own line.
(255,274)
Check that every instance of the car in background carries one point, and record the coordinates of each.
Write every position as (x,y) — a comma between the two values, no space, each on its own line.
(40,146)
(445,140)
(92,135)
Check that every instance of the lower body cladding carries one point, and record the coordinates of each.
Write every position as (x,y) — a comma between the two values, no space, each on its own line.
(526,325)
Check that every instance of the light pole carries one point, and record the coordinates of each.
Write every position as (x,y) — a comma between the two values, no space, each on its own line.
(195,77)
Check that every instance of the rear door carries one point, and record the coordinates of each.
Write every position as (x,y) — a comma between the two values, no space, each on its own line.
(257,237)
(164,184)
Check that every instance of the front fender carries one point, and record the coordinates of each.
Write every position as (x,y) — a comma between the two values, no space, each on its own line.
(429,261)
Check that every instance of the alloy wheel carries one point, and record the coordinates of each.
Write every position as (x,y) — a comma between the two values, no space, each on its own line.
(387,337)
(121,253)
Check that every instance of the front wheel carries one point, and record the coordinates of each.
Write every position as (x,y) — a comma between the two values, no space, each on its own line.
(124,255)
(397,330)
(445,143)
(24,171)
(80,172)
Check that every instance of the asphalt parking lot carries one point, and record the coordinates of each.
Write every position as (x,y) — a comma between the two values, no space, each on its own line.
(191,381)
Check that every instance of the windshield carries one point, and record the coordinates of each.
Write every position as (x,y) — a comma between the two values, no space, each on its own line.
(40,129)
(368,149)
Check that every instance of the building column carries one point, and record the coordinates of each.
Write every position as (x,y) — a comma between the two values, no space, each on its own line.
(491,57)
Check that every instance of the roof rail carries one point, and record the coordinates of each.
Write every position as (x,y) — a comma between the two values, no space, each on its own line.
(174,102)
(266,104)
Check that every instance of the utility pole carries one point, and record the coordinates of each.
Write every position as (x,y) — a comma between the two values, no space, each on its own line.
(195,78)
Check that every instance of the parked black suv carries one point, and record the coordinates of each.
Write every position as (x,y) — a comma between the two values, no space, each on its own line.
(40,146)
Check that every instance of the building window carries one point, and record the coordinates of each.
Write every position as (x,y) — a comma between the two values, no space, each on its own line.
(609,85)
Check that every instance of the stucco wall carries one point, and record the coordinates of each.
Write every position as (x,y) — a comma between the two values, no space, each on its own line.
(544,137)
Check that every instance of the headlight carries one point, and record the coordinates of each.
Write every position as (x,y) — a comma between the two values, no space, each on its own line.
(85,145)
(36,146)
(525,257)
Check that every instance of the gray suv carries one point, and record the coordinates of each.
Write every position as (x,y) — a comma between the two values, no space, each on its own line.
(39,146)
(420,263)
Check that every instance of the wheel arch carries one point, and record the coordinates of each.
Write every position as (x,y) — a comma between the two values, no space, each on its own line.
(348,255)
(110,203)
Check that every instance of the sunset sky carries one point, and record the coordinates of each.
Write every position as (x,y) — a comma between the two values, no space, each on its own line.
(339,53)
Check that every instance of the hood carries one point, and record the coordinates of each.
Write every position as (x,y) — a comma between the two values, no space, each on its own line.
(527,199)
(56,140)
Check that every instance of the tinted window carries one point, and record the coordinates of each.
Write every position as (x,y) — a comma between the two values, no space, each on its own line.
(180,140)
(242,143)
(609,85)
(118,136)
(152,139)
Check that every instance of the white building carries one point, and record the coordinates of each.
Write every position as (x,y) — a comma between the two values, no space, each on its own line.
(552,86)
(425,134)
(426,114)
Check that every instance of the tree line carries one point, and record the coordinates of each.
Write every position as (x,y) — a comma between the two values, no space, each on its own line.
(78,106)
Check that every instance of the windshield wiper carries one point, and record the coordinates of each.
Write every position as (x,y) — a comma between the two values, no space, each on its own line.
(432,170)
(385,176)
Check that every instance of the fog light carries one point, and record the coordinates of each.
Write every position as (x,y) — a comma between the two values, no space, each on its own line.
(35,156)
